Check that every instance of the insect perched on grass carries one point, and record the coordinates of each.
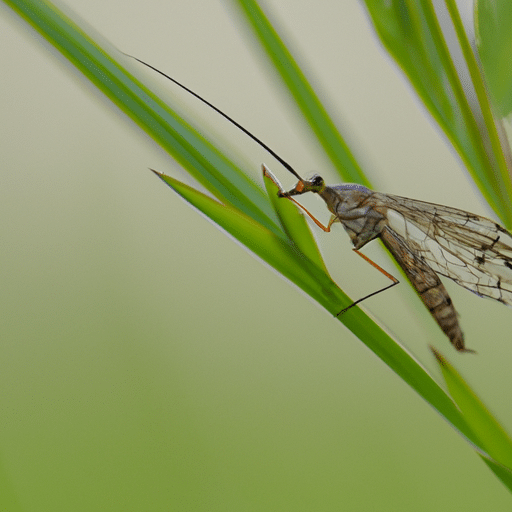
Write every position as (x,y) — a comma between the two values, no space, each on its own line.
(426,239)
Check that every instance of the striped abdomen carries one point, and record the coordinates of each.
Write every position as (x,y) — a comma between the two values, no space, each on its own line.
(428,285)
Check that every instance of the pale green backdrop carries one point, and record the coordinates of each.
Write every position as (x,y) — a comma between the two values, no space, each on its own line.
(147,362)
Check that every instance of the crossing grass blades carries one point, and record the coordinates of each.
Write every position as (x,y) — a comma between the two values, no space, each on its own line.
(427,240)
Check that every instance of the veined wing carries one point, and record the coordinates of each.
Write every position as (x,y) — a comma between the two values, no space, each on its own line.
(427,283)
(473,251)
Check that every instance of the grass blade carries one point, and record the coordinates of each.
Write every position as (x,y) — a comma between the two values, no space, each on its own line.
(411,33)
(307,100)
(491,434)
(275,251)
(294,224)
(246,213)
(208,165)
(494,40)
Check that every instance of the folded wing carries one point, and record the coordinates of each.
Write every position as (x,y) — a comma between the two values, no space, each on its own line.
(473,251)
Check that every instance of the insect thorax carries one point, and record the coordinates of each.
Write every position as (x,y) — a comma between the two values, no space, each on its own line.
(352,205)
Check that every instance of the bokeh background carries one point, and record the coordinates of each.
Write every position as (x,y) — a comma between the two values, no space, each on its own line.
(148,362)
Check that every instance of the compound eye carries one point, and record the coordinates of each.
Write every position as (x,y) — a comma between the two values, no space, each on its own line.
(317,180)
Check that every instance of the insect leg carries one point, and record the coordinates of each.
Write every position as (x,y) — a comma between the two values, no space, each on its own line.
(373,264)
(327,228)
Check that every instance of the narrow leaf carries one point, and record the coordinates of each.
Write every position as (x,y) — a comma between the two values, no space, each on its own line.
(307,100)
(294,224)
(491,434)
(279,253)
(209,166)
(411,33)
(248,217)
(493,23)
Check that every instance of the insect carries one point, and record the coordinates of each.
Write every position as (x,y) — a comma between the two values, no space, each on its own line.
(427,240)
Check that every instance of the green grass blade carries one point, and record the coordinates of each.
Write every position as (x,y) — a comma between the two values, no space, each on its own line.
(278,252)
(411,33)
(308,102)
(209,166)
(493,22)
(491,434)
(504,474)
(294,224)
(485,428)
(248,216)
(499,148)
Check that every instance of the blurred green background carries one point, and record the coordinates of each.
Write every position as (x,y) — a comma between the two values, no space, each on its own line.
(150,363)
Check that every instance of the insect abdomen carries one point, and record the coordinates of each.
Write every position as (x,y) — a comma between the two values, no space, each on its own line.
(438,302)
(428,285)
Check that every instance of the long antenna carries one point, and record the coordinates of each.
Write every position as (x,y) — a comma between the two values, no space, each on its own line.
(231,120)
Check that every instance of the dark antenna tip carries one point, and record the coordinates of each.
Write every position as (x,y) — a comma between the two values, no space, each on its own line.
(283,162)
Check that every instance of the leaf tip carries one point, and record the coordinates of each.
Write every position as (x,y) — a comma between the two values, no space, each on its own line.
(159,174)
(267,173)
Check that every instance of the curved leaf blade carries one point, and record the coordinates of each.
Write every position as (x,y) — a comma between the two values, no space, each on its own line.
(493,22)
(249,230)
(491,434)
(208,165)
(279,253)
(293,222)
(305,97)
(411,33)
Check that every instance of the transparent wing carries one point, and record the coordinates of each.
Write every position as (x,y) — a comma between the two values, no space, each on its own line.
(473,251)
(427,283)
